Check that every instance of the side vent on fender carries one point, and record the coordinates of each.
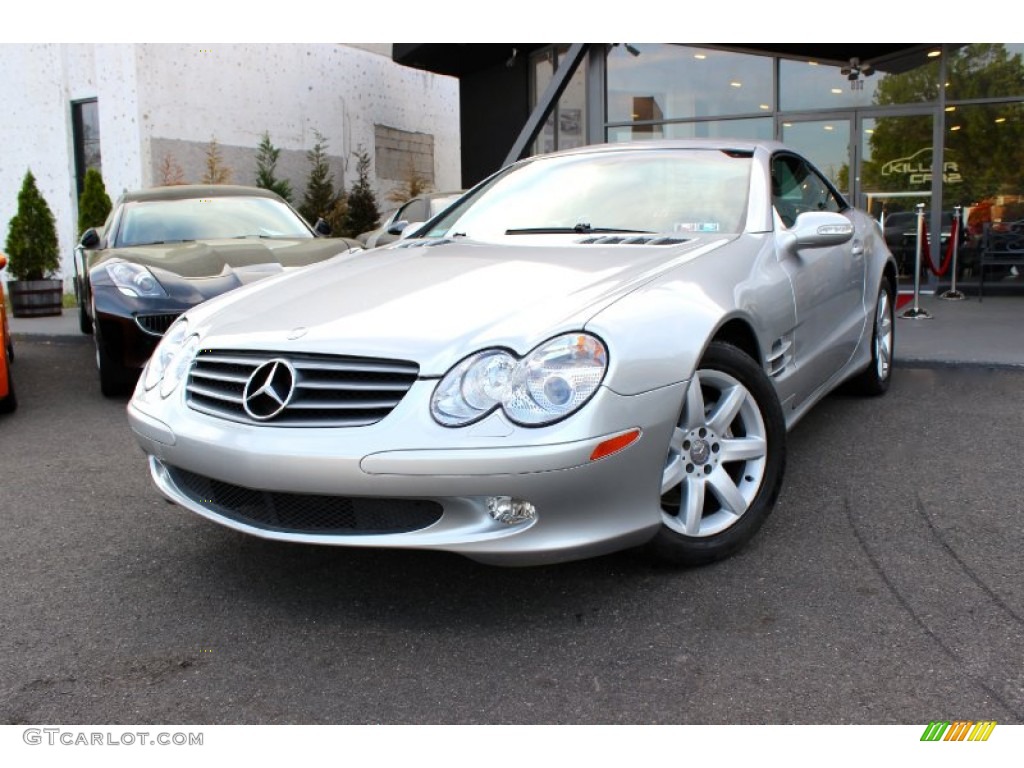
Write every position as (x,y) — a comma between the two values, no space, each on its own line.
(780,357)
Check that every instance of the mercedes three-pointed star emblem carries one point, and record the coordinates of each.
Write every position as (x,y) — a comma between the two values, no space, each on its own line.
(269,389)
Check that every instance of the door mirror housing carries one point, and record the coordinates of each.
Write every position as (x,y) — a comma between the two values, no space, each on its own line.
(819,229)
(90,239)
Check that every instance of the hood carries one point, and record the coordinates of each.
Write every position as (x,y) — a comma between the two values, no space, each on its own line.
(196,271)
(208,258)
(434,302)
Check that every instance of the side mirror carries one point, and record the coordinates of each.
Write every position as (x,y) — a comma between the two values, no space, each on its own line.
(398,227)
(820,229)
(90,239)
(322,228)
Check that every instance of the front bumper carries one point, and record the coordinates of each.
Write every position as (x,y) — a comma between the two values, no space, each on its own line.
(584,507)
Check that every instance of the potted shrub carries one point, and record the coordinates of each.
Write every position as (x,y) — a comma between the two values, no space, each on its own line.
(34,255)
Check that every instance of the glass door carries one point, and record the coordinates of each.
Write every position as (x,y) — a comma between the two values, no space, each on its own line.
(895,174)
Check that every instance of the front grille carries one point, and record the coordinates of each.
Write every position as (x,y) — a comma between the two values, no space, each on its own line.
(306,513)
(329,391)
(156,325)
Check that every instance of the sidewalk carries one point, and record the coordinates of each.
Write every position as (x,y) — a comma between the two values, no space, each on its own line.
(968,332)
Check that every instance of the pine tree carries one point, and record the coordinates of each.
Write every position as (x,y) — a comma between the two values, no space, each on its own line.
(362,214)
(171,174)
(32,235)
(94,205)
(266,164)
(320,199)
(216,171)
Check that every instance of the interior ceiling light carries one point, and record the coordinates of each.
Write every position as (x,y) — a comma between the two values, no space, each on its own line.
(934,54)
(736,84)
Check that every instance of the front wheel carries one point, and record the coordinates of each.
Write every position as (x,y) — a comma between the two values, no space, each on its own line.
(115,380)
(725,460)
(9,403)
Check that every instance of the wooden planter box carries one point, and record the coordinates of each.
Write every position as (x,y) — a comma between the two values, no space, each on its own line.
(36,298)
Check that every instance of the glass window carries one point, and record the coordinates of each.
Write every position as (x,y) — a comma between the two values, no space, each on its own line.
(566,126)
(813,85)
(663,191)
(753,129)
(664,81)
(985,70)
(172,221)
(85,129)
(984,168)
(797,189)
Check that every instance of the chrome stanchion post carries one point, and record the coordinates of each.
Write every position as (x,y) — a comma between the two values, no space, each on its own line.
(953,294)
(915,312)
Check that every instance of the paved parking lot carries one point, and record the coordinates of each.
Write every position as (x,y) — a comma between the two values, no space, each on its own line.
(886,588)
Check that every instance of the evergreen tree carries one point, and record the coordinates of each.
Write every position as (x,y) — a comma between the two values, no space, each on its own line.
(362,214)
(320,199)
(171,174)
(94,205)
(266,164)
(216,171)
(32,235)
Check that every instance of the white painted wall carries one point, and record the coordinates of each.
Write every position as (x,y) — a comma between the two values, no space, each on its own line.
(193,92)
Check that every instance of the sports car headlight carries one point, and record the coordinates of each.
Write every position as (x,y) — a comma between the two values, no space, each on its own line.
(134,280)
(170,360)
(551,382)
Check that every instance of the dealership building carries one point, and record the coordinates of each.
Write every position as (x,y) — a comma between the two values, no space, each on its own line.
(893,125)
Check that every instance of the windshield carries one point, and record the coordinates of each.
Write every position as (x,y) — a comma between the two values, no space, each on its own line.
(211,218)
(647,190)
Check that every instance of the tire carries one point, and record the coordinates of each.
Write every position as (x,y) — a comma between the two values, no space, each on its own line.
(874,380)
(10,403)
(115,380)
(84,321)
(725,461)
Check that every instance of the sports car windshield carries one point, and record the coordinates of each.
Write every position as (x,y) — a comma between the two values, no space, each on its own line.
(212,218)
(658,191)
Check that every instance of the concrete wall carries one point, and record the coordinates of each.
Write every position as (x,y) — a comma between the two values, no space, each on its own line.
(156,100)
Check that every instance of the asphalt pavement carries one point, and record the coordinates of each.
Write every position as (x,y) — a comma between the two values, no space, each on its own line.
(885,588)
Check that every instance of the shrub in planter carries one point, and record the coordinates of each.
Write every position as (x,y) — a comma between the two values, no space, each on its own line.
(34,255)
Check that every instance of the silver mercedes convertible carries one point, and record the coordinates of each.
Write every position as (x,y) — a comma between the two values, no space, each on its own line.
(591,351)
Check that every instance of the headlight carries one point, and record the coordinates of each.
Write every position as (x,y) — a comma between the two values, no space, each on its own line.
(170,360)
(551,382)
(134,280)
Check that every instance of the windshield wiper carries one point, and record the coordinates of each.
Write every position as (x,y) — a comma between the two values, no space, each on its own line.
(580,229)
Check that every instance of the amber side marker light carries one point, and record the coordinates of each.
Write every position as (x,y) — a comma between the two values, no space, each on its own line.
(615,444)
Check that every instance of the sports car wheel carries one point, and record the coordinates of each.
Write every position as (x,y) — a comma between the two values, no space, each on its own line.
(876,377)
(115,381)
(84,321)
(725,460)
(10,402)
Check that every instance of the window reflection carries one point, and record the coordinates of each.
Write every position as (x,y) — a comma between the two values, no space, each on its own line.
(756,129)
(985,70)
(665,81)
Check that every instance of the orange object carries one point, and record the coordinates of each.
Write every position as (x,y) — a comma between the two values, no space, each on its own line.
(615,444)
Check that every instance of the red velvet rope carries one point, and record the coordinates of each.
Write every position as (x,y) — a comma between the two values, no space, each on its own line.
(926,250)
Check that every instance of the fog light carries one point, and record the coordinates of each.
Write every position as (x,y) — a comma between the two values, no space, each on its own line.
(505,509)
